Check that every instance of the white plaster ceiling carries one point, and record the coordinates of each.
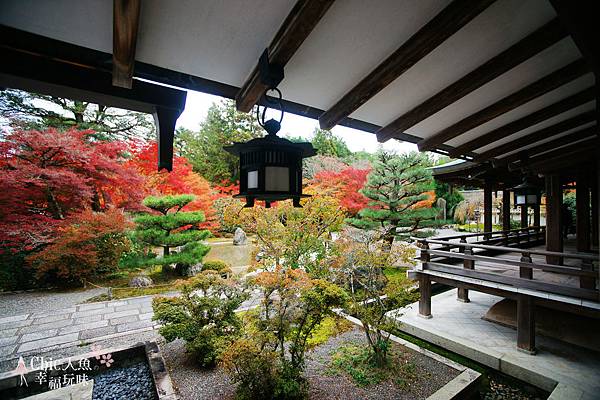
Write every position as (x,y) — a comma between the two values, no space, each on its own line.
(497,28)
(551,121)
(221,40)
(550,138)
(571,88)
(216,39)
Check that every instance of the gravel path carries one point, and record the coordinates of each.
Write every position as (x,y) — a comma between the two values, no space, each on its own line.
(42,301)
(194,383)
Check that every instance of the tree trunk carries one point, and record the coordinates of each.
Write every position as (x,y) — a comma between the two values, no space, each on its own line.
(53,205)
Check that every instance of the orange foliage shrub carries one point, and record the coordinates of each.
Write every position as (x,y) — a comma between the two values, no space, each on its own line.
(88,245)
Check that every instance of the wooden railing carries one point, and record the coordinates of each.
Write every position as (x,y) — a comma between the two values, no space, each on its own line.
(443,254)
(519,236)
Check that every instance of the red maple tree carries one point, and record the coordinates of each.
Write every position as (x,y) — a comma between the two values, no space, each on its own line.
(344,185)
(46,175)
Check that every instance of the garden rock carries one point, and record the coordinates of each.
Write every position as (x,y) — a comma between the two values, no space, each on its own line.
(140,281)
(193,270)
(239,237)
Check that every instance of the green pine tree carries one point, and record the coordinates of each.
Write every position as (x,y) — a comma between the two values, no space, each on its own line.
(164,230)
(394,186)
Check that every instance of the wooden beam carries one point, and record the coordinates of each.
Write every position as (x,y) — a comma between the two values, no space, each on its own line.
(542,148)
(555,153)
(539,40)
(550,111)
(299,23)
(534,137)
(508,103)
(527,121)
(565,162)
(126,20)
(581,20)
(441,27)
(165,120)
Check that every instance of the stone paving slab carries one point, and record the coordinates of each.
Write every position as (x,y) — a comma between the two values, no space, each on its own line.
(67,330)
(73,326)
(459,327)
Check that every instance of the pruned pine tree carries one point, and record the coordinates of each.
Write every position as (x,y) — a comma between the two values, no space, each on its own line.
(396,188)
(169,228)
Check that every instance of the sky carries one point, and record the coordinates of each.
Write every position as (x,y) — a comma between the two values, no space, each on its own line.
(197,105)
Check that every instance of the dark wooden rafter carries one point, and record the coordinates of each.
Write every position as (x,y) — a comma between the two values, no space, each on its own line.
(536,117)
(557,153)
(22,41)
(581,20)
(126,20)
(539,40)
(506,104)
(565,160)
(544,147)
(299,23)
(537,136)
(441,27)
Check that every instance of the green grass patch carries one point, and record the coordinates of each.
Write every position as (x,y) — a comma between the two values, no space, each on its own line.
(330,327)
(355,361)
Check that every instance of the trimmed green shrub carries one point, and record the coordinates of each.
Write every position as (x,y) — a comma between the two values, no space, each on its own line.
(204,316)
(216,265)
(169,228)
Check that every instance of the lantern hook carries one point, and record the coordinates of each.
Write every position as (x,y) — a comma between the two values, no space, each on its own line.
(272,126)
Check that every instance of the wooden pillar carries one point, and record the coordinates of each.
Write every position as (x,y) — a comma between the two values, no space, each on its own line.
(554,239)
(536,215)
(583,213)
(487,207)
(425,296)
(594,202)
(505,210)
(526,324)
(524,219)
(463,294)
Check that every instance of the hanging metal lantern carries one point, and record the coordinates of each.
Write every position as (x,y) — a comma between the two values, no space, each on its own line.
(527,194)
(271,167)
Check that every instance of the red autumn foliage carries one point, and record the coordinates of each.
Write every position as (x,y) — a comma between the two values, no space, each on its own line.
(428,202)
(46,175)
(344,185)
(87,244)
(226,189)
(182,180)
